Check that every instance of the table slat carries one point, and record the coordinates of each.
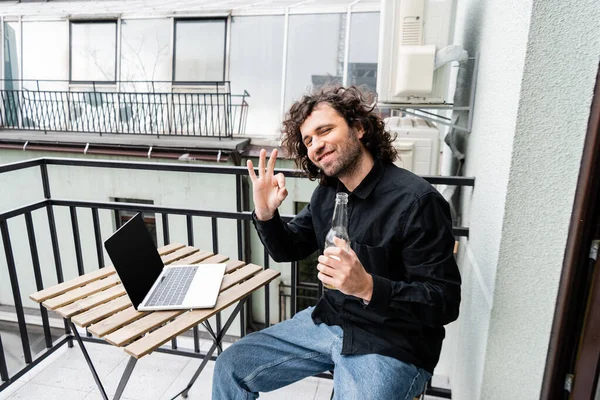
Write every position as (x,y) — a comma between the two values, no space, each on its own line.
(241,274)
(153,340)
(179,254)
(100,312)
(115,321)
(89,302)
(140,326)
(233,265)
(164,250)
(194,258)
(216,259)
(81,292)
(63,287)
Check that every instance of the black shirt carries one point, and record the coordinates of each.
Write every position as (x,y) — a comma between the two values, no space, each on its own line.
(401,230)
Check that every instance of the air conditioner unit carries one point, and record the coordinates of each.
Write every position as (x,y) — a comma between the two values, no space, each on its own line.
(418,144)
(412,33)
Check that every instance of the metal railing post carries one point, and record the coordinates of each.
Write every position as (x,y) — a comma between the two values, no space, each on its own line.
(35,259)
(14,283)
(98,237)
(267,294)
(53,236)
(77,240)
(3,369)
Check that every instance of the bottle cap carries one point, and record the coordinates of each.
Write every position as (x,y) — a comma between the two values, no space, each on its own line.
(341,196)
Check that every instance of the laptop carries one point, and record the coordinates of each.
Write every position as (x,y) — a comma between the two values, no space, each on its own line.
(150,284)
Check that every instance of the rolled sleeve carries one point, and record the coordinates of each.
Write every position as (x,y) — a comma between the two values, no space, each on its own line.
(382,294)
(287,241)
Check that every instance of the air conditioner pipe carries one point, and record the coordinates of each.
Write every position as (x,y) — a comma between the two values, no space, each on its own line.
(454,52)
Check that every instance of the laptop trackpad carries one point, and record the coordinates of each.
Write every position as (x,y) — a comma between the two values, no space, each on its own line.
(205,287)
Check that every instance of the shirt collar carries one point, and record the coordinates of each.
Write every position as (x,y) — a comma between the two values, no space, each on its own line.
(364,188)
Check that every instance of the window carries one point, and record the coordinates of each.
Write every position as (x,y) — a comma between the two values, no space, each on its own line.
(255,66)
(122,216)
(316,50)
(12,51)
(363,51)
(41,47)
(145,54)
(93,51)
(199,50)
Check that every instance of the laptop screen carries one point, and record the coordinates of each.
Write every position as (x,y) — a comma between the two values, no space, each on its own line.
(135,258)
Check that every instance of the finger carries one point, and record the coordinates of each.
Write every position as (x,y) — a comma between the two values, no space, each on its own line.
(327,270)
(261,162)
(341,243)
(326,279)
(251,172)
(271,164)
(329,261)
(333,252)
(282,194)
(280,178)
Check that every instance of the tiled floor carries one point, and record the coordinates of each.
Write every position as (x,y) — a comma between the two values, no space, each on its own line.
(65,375)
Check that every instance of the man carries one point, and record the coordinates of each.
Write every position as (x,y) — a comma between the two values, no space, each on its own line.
(381,330)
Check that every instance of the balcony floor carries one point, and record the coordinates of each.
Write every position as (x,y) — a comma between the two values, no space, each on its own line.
(64,375)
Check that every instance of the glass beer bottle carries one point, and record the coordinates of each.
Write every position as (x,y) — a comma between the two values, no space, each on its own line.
(339,225)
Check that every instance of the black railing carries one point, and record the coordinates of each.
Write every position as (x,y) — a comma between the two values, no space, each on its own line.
(47,205)
(130,107)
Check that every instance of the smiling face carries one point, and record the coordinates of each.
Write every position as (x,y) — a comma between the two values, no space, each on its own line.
(332,145)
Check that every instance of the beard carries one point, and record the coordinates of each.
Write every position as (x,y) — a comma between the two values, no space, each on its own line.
(348,158)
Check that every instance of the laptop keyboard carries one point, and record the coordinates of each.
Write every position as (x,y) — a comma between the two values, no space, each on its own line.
(173,288)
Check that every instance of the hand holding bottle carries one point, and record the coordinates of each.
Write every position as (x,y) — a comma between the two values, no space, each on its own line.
(268,190)
(339,226)
(343,270)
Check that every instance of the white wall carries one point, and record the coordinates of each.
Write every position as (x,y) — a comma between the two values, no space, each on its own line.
(497,29)
(538,65)
(559,79)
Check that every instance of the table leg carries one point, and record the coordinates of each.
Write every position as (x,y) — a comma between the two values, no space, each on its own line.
(88,360)
(216,343)
(209,328)
(124,378)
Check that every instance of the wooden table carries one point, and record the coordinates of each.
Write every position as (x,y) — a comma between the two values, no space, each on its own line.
(97,301)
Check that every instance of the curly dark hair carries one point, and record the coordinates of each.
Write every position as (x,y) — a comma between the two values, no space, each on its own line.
(351,105)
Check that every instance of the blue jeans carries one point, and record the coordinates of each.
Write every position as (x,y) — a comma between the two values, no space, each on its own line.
(298,348)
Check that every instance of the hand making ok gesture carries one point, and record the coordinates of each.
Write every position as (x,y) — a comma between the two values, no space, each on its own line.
(268,190)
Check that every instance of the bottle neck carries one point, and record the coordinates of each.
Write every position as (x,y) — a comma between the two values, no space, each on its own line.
(340,214)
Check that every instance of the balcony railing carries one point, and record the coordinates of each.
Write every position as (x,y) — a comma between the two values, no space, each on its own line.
(45,210)
(131,107)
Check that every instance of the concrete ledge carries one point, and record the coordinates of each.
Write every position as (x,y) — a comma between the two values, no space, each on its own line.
(236,144)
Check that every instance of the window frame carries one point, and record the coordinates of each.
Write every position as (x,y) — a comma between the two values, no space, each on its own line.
(93,21)
(174,64)
(149,217)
